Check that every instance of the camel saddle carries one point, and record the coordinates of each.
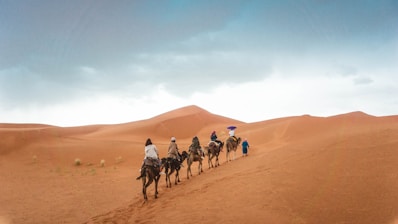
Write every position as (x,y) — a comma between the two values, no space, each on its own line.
(151,162)
(234,139)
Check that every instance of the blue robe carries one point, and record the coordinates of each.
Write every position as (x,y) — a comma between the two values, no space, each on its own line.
(245,146)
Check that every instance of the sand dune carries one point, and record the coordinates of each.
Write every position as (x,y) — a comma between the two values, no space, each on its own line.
(300,169)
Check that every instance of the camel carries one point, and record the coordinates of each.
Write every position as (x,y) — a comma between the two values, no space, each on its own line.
(213,150)
(194,155)
(232,145)
(151,174)
(171,165)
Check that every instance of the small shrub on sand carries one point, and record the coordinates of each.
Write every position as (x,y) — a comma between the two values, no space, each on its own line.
(102,163)
(78,162)
(34,158)
(118,159)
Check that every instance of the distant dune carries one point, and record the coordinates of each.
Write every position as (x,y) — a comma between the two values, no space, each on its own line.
(300,169)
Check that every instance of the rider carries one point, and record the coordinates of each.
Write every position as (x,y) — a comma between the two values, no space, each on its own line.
(213,137)
(196,146)
(232,134)
(151,153)
(173,149)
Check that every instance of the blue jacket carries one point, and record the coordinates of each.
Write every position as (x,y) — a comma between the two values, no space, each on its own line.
(213,137)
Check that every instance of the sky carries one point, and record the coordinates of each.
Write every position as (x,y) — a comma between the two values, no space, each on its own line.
(81,62)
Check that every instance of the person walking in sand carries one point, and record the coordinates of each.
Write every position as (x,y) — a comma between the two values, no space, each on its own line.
(245,147)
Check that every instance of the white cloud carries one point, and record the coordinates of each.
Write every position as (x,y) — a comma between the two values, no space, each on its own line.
(273,97)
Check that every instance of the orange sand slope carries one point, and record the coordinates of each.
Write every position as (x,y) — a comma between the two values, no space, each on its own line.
(302,169)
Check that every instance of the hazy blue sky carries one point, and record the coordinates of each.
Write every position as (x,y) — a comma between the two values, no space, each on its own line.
(81,62)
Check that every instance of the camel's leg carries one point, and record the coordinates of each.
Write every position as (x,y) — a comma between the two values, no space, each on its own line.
(200,167)
(188,170)
(210,161)
(144,188)
(156,186)
(150,180)
(169,174)
(167,179)
(178,176)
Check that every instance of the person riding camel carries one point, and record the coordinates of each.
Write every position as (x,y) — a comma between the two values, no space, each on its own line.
(173,150)
(151,154)
(232,134)
(196,146)
(213,137)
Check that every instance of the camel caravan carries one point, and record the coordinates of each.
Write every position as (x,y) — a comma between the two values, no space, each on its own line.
(153,167)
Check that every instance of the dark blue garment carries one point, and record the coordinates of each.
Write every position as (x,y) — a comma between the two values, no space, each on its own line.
(245,146)
(213,137)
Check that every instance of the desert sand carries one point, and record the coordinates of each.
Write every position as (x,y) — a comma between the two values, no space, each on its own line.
(300,169)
